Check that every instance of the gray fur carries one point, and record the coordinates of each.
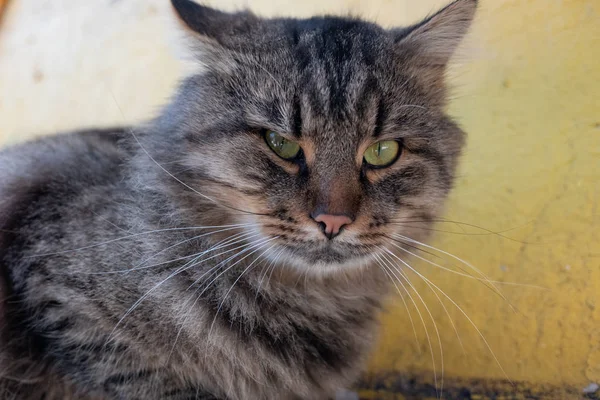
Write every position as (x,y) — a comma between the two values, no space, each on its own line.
(102,296)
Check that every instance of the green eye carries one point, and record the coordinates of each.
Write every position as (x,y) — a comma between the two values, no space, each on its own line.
(284,148)
(382,154)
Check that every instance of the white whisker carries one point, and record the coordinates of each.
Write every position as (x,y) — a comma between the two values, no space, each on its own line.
(269,266)
(231,266)
(387,266)
(167,172)
(189,240)
(210,272)
(403,301)
(437,332)
(259,242)
(245,247)
(411,106)
(218,245)
(441,303)
(186,266)
(477,270)
(464,274)
(236,281)
(129,237)
(466,316)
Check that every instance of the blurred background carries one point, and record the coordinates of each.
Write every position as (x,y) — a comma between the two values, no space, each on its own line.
(526,88)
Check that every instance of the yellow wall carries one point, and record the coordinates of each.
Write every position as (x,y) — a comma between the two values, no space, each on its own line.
(531,104)
(527,89)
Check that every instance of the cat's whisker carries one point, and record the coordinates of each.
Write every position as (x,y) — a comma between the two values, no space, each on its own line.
(437,297)
(233,240)
(109,222)
(305,277)
(466,316)
(189,240)
(415,247)
(264,275)
(378,260)
(262,267)
(236,281)
(274,267)
(392,275)
(218,245)
(210,272)
(261,242)
(182,182)
(437,332)
(424,228)
(390,272)
(412,106)
(465,272)
(466,275)
(395,241)
(477,270)
(459,224)
(215,269)
(179,331)
(244,248)
(186,266)
(131,236)
(486,282)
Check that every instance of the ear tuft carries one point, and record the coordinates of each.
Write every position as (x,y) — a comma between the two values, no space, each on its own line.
(437,37)
(212,24)
(198,18)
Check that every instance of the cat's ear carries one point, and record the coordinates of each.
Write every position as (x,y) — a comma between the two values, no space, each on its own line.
(434,40)
(213,26)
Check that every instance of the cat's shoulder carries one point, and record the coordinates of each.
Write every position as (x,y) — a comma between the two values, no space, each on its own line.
(58,164)
(36,177)
(57,152)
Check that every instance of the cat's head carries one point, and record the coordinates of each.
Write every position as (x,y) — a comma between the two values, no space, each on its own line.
(328,133)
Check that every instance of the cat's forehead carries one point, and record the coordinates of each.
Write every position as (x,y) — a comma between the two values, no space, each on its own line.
(336,89)
(332,31)
(335,43)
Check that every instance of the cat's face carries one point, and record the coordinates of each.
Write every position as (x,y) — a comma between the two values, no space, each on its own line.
(329,134)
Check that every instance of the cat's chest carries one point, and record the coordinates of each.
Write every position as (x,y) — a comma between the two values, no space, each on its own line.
(306,352)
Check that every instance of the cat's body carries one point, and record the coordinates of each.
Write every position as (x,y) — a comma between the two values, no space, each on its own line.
(138,264)
(287,338)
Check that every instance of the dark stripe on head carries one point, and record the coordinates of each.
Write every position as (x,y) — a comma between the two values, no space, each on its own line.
(380,120)
(297,117)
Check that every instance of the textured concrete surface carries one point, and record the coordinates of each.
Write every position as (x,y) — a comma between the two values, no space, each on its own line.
(527,86)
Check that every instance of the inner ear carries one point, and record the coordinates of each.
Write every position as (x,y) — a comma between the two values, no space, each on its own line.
(213,24)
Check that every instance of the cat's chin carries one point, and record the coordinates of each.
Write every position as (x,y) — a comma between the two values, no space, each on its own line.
(324,260)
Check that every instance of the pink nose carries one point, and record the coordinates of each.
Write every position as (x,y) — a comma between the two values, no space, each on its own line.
(333,223)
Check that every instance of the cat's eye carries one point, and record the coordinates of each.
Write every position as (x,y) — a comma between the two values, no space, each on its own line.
(281,146)
(382,154)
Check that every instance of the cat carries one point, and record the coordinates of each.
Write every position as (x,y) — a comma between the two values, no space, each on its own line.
(236,246)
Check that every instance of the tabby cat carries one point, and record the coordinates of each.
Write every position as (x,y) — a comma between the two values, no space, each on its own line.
(233,247)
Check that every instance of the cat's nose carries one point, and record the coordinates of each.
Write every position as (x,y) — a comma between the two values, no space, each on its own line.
(331,225)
